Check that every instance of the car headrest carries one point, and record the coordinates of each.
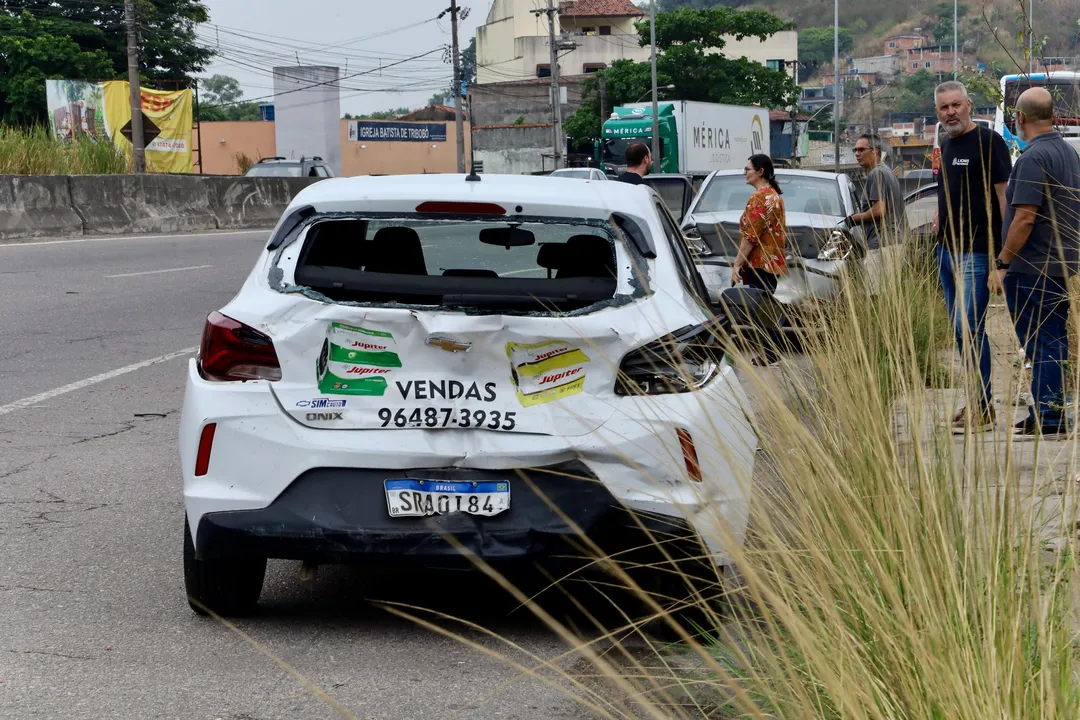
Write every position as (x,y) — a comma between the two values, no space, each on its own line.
(397,250)
(588,256)
(552,256)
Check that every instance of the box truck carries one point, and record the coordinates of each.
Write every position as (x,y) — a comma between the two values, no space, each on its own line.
(695,137)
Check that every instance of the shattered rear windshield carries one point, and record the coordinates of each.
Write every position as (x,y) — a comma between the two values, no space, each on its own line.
(554,265)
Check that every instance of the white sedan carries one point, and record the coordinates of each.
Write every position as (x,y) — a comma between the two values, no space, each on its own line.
(583,173)
(417,357)
(819,248)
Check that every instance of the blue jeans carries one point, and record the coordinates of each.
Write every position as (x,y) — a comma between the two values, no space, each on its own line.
(1039,306)
(967,308)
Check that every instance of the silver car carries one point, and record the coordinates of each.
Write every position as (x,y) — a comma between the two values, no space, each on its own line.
(819,246)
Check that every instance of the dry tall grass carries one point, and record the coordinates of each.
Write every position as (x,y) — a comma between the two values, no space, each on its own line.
(34,151)
(891,571)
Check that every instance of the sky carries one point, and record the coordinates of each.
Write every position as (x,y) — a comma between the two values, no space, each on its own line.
(361,37)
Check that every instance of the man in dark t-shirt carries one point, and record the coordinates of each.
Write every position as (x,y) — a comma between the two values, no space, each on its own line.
(1041,253)
(975,167)
(638,163)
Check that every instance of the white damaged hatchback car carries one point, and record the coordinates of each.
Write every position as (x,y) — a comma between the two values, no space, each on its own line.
(505,361)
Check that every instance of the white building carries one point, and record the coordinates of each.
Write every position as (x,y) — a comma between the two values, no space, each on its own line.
(513,43)
(884,66)
(777,52)
(307,113)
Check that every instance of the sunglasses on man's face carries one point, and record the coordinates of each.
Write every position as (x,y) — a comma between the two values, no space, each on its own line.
(748,169)
(861,149)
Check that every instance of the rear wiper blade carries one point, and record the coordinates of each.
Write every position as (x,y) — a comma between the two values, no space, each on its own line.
(477,299)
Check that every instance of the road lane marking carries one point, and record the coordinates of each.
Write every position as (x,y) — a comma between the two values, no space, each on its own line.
(80,384)
(158,272)
(178,236)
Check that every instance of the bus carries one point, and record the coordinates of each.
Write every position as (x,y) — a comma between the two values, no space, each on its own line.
(1062,84)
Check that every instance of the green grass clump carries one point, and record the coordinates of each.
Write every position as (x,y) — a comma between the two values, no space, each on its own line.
(34,151)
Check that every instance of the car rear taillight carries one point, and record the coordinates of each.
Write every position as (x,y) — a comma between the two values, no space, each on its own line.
(677,363)
(233,351)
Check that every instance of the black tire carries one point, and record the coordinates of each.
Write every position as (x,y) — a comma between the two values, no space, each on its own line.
(228,587)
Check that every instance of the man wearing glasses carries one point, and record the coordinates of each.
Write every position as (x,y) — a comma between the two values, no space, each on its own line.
(882,222)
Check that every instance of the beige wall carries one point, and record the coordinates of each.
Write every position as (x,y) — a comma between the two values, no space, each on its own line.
(223,140)
(256,139)
(401,158)
(781,46)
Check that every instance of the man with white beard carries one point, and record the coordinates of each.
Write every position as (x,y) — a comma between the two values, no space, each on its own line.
(975,168)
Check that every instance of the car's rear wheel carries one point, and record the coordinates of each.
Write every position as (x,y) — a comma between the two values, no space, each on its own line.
(227,587)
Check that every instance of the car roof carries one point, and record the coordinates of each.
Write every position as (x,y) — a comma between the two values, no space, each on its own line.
(402,193)
(785,171)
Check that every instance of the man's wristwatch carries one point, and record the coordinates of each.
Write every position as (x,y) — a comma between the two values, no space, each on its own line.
(1000,265)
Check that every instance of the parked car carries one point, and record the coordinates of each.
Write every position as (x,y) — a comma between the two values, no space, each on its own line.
(408,350)
(283,167)
(819,246)
(920,207)
(579,173)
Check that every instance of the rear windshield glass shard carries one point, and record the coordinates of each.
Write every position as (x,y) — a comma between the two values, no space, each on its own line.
(547,265)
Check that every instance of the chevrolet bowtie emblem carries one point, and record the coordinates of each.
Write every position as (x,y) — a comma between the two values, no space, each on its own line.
(448,344)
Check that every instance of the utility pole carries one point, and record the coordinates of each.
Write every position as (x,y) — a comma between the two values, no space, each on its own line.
(603,103)
(1031,33)
(655,105)
(556,96)
(458,120)
(836,85)
(138,152)
(955,35)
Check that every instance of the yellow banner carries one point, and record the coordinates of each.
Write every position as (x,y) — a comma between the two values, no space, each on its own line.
(171,113)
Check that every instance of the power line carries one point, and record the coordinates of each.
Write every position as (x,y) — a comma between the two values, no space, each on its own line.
(328,82)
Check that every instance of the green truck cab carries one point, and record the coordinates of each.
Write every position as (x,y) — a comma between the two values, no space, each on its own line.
(634,124)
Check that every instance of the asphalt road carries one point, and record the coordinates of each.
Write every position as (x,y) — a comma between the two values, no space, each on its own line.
(93,617)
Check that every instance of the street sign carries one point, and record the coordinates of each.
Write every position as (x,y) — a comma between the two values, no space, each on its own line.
(150,130)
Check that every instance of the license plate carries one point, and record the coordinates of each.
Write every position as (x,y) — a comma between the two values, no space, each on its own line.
(417,498)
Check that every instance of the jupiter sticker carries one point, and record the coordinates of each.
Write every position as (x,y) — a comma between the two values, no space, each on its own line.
(546,371)
(356,360)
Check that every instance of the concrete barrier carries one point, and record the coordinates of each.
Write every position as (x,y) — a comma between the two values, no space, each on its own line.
(238,202)
(36,206)
(115,204)
(58,205)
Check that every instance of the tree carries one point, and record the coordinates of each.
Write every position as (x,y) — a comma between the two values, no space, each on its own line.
(438,99)
(816,48)
(168,48)
(32,51)
(388,114)
(468,62)
(684,36)
(219,100)
(943,30)
(219,89)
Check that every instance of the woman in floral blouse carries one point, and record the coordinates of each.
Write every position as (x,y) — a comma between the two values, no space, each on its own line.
(762,235)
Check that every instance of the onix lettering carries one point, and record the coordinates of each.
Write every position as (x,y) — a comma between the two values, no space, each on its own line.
(325,416)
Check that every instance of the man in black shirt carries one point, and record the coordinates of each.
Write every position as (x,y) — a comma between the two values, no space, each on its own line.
(975,168)
(638,163)
(1041,253)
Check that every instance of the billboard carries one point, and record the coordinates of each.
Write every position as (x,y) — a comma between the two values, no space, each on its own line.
(373,130)
(102,112)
